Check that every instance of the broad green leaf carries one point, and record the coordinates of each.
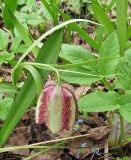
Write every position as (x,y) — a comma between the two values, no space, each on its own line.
(125,111)
(100,33)
(99,102)
(22,17)
(125,99)
(48,54)
(102,17)
(123,71)
(76,54)
(5,106)
(128,54)
(37,42)
(21,2)
(35,19)
(16,44)
(3,39)
(125,106)
(110,51)
(121,13)
(31,2)
(6,56)
(80,76)
(7,88)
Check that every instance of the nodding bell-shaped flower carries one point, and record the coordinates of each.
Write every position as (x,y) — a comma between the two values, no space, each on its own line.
(57,107)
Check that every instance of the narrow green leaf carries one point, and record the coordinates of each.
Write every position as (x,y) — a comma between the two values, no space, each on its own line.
(10,5)
(102,17)
(36,76)
(47,34)
(111,4)
(16,75)
(48,54)
(99,102)
(5,106)
(3,39)
(47,6)
(121,13)
(81,32)
(24,34)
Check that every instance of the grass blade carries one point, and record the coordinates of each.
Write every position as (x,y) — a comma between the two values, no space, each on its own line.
(36,76)
(129,32)
(10,5)
(121,12)
(22,31)
(81,32)
(102,17)
(47,6)
(47,34)
(112,3)
(48,54)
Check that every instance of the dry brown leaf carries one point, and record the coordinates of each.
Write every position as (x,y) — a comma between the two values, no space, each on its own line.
(81,91)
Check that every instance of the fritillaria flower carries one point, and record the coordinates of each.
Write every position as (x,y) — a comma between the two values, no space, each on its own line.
(57,107)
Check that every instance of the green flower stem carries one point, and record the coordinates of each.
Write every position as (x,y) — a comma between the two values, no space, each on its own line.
(69,35)
(122,135)
(82,63)
(80,73)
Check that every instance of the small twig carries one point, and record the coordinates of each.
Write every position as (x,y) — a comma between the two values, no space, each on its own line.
(36,145)
(92,156)
(106,150)
(4,70)
(36,154)
(31,58)
(62,139)
(40,152)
